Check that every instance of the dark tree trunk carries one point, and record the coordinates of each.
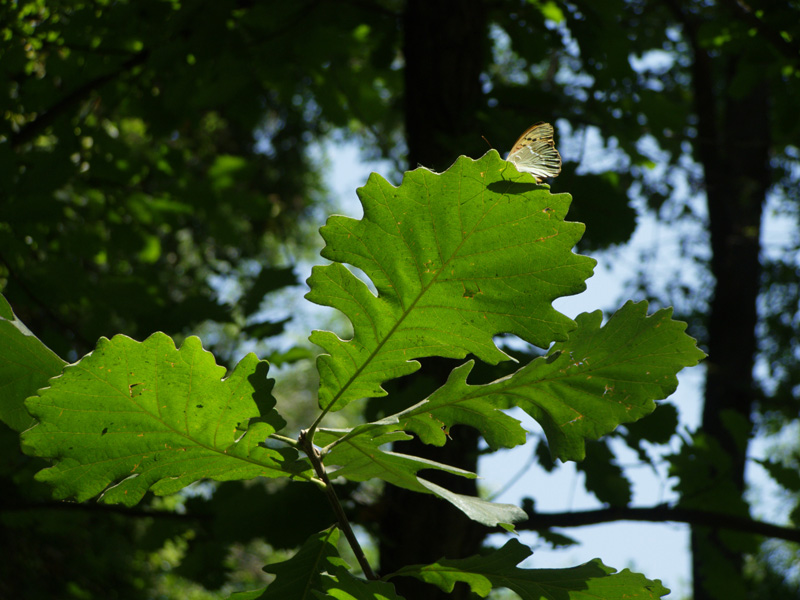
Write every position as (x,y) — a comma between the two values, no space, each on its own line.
(444,52)
(733,143)
(444,55)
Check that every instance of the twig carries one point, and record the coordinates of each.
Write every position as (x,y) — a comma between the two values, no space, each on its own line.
(659,514)
(31,129)
(515,478)
(307,444)
(284,439)
(96,507)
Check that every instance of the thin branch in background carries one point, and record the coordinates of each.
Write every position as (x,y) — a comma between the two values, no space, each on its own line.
(98,508)
(516,477)
(33,128)
(659,514)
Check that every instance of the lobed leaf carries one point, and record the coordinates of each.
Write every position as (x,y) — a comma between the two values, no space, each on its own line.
(25,366)
(137,416)
(499,569)
(456,258)
(601,377)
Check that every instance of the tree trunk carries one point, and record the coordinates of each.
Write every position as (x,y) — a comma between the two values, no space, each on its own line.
(444,52)
(444,56)
(733,143)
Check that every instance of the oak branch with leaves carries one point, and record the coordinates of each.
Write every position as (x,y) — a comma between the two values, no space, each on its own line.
(457,258)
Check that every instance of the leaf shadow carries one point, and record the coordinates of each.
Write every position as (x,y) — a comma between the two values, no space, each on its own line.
(514,187)
(263,398)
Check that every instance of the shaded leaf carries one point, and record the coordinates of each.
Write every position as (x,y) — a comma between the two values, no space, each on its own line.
(297,577)
(456,258)
(786,476)
(487,513)
(317,571)
(25,366)
(604,477)
(499,569)
(363,458)
(343,586)
(300,575)
(656,428)
(137,416)
(238,512)
(265,329)
(268,280)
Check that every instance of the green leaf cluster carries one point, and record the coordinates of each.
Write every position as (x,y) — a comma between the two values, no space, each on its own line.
(456,258)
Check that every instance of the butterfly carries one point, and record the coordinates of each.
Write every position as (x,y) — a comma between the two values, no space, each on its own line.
(535,152)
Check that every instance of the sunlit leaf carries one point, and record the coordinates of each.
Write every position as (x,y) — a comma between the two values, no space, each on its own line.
(430,419)
(604,375)
(456,258)
(137,416)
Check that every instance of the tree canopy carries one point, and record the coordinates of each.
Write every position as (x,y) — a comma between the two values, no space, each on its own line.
(151,149)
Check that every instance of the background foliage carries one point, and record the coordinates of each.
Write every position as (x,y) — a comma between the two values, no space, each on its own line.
(150,147)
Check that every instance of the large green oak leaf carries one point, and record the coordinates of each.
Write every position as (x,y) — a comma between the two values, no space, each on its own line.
(601,377)
(137,416)
(457,258)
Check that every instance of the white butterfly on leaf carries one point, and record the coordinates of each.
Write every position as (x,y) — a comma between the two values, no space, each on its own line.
(535,152)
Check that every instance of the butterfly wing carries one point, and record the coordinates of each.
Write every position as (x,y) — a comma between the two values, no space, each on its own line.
(535,152)
(539,131)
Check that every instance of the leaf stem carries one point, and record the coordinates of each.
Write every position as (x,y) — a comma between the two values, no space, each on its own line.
(306,443)
(310,431)
(284,439)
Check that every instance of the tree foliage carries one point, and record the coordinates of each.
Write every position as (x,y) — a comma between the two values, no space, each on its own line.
(152,149)
(133,417)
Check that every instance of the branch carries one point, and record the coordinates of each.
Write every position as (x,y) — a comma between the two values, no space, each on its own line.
(96,507)
(659,514)
(313,455)
(76,96)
